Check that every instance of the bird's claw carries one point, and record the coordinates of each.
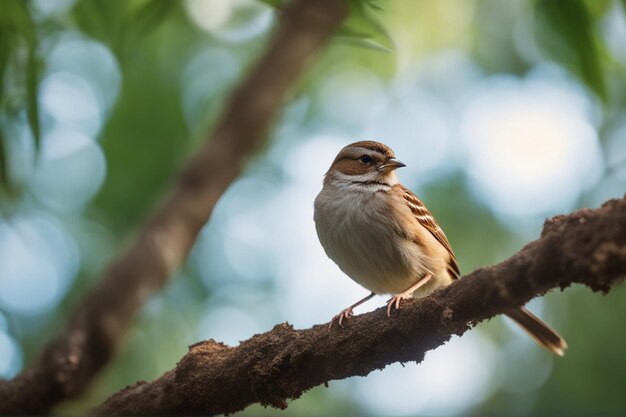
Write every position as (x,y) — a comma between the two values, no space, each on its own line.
(395,300)
(346,313)
(406,294)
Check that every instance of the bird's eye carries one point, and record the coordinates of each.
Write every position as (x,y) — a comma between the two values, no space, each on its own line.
(366,159)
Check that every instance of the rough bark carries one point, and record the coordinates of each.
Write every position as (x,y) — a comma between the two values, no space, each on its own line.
(587,247)
(71,360)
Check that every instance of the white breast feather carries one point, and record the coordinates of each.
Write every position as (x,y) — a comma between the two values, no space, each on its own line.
(358,233)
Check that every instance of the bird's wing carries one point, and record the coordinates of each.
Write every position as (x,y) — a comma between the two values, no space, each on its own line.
(426,219)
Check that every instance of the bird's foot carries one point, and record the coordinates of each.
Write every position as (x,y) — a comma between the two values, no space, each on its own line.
(405,295)
(346,313)
(395,300)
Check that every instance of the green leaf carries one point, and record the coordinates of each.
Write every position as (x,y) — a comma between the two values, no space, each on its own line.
(16,17)
(565,30)
(364,4)
(374,4)
(598,8)
(100,19)
(17,23)
(367,44)
(32,102)
(150,16)
(363,28)
(24,24)
(8,188)
(5,54)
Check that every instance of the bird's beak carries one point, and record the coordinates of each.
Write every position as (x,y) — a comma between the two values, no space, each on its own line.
(390,165)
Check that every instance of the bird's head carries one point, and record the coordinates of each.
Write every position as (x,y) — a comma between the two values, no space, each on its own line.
(364,162)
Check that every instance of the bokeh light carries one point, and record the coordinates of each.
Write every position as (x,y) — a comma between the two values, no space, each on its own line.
(231,20)
(352,100)
(614,30)
(495,137)
(70,170)
(530,145)
(418,129)
(21,152)
(616,147)
(451,379)
(240,220)
(47,9)
(38,262)
(206,78)
(217,324)
(89,60)
(251,198)
(528,367)
(71,102)
(614,182)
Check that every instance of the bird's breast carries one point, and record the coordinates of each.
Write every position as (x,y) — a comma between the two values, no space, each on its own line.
(360,232)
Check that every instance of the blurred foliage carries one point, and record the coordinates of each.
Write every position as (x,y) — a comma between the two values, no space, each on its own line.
(19,64)
(566,30)
(275,3)
(148,133)
(363,26)
(122,24)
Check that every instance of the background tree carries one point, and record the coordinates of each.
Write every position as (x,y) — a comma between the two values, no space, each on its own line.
(102,100)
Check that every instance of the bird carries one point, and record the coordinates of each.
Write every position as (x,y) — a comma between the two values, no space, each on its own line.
(384,238)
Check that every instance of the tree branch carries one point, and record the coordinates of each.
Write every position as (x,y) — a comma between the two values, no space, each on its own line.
(587,247)
(99,322)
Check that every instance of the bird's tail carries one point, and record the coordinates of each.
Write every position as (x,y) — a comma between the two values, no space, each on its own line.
(540,331)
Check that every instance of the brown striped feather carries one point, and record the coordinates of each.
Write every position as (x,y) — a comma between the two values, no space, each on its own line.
(426,219)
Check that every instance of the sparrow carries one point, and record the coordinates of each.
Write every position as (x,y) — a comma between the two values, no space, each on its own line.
(384,238)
